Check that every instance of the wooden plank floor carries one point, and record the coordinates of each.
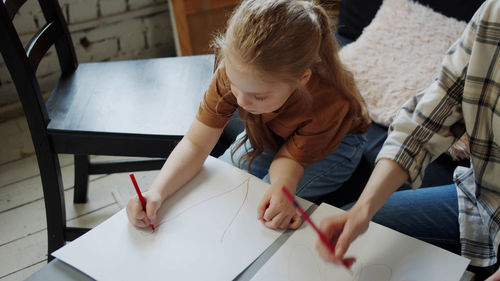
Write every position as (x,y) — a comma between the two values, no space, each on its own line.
(23,233)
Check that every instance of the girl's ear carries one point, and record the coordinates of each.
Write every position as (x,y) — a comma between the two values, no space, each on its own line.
(304,78)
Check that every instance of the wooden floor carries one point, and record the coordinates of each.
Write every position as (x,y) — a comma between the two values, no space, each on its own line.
(23,233)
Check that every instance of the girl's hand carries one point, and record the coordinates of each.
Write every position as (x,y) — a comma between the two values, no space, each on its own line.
(137,216)
(276,211)
(342,230)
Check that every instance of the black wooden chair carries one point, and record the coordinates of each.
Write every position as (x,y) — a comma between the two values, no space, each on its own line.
(138,108)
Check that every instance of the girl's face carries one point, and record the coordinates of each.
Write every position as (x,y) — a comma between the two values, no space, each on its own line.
(252,93)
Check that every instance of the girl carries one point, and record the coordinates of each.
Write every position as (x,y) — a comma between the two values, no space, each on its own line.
(279,68)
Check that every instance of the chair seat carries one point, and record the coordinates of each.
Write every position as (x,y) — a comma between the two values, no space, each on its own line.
(126,96)
(114,102)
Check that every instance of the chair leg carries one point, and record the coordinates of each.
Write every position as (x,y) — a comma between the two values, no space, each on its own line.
(82,163)
(53,192)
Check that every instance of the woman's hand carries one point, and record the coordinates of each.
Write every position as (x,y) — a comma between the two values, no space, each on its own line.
(342,230)
(137,216)
(276,211)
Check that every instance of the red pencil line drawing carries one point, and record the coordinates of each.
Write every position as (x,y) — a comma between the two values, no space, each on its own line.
(302,254)
(237,212)
(247,182)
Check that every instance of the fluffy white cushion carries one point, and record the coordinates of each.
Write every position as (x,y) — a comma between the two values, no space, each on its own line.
(399,54)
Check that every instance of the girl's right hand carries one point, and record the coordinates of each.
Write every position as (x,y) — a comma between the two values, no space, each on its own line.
(342,230)
(137,216)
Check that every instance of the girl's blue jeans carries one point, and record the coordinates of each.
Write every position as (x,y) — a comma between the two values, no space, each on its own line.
(320,178)
(429,214)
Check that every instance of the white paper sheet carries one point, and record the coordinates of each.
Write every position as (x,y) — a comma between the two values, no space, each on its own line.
(382,255)
(208,231)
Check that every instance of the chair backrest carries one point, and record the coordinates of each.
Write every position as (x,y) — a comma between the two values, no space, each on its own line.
(23,62)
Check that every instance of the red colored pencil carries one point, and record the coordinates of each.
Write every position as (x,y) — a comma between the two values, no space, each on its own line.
(143,201)
(306,217)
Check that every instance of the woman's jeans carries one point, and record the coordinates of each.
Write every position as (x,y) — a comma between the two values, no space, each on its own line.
(429,214)
(320,178)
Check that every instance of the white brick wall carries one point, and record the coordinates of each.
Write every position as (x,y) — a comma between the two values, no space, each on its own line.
(80,10)
(101,30)
(29,18)
(111,7)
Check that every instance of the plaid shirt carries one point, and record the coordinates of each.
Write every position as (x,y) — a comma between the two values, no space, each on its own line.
(465,95)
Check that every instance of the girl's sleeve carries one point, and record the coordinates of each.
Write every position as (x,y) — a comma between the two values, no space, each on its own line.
(218,103)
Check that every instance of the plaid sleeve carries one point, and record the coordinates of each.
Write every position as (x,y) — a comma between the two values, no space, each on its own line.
(421,130)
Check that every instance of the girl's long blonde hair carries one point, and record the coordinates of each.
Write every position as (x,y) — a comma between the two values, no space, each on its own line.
(281,39)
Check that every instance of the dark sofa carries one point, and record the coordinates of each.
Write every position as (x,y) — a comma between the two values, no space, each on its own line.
(354,16)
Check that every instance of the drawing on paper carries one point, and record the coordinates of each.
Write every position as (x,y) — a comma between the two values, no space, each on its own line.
(245,183)
(302,257)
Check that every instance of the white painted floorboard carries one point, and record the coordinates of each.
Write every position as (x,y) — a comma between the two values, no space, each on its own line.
(23,233)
